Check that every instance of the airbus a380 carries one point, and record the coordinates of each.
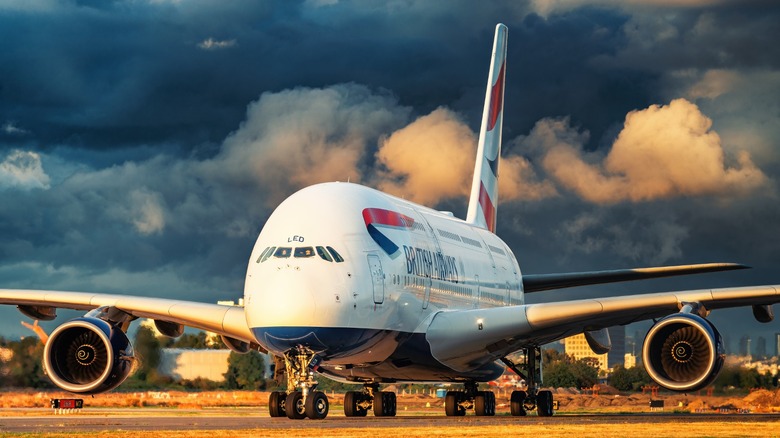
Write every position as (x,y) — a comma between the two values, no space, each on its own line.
(360,286)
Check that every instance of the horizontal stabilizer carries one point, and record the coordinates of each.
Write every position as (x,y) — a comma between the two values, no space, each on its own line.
(542,282)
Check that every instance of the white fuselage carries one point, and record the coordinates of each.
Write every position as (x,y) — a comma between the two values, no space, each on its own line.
(366,316)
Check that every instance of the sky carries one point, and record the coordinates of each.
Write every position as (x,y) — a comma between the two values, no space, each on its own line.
(144,143)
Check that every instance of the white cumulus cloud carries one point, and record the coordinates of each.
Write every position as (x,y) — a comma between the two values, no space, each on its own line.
(662,152)
(23,169)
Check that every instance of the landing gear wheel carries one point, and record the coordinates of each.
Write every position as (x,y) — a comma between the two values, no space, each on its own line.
(544,404)
(452,403)
(294,406)
(317,405)
(276,402)
(384,404)
(516,403)
(352,408)
(485,404)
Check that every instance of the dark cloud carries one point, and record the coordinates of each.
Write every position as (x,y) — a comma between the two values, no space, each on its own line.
(143,144)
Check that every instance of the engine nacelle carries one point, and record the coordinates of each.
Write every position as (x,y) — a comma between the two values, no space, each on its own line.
(88,356)
(683,352)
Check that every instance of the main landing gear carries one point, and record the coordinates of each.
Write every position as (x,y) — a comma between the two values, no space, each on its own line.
(357,403)
(301,400)
(457,402)
(522,401)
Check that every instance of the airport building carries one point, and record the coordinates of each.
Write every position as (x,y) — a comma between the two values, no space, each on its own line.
(187,364)
(577,347)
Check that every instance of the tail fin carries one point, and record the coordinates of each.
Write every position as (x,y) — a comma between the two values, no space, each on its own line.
(484,187)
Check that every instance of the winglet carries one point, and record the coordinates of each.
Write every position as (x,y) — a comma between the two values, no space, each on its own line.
(484,187)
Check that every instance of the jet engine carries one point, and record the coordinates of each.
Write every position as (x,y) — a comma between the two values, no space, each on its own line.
(683,352)
(88,356)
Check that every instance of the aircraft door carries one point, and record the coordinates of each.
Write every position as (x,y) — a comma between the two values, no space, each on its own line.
(427,298)
(377,278)
(477,292)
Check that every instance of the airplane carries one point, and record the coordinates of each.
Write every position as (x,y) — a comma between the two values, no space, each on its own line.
(359,286)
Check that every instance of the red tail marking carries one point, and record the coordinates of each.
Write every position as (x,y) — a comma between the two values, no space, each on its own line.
(487,208)
(496,99)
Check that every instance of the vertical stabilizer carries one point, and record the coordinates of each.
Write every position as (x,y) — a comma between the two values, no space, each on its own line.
(484,187)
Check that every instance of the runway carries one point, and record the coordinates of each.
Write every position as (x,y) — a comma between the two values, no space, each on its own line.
(40,421)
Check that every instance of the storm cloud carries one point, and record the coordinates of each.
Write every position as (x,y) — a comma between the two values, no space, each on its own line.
(143,144)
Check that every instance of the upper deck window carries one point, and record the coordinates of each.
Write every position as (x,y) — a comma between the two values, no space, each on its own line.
(283,252)
(304,251)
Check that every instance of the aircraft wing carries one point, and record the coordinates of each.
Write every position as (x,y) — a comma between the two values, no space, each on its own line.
(466,339)
(224,320)
(542,282)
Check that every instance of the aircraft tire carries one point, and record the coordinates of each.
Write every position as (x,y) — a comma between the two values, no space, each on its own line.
(485,404)
(351,408)
(294,406)
(544,404)
(452,405)
(317,405)
(276,402)
(516,403)
(384,404)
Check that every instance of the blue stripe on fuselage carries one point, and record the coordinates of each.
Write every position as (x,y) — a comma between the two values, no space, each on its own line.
(328,342)
(411,359)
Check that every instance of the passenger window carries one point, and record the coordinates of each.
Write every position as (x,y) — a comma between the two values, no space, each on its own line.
(268,254)
(304,251)
(336,256)
(324,254)
(283,252)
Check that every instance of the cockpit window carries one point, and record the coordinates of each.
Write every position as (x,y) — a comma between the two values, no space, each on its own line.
(266,254)
(324,254)
(262,254)
(304,251)
(336,256)
(283,252)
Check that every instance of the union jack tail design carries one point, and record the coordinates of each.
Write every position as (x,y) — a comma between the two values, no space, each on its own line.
(484,187)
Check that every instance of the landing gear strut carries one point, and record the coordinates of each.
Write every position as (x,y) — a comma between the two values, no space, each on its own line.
(357,403)
(457,402)
(522,401)
(301,400)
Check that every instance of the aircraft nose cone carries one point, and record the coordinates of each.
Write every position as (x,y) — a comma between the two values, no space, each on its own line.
(288,300)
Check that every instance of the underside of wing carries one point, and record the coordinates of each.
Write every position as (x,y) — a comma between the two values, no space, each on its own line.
(92,354)
(543,282)
(466,339)
(224,320)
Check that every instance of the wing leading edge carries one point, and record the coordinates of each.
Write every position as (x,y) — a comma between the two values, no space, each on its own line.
(543,282)
(467,339)
(224,320)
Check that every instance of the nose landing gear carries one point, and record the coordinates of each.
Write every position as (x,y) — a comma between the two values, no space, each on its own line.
(301,400)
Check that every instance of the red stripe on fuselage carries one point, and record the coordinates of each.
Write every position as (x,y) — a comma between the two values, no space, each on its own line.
(496,99)
(487,208)
(386,217)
